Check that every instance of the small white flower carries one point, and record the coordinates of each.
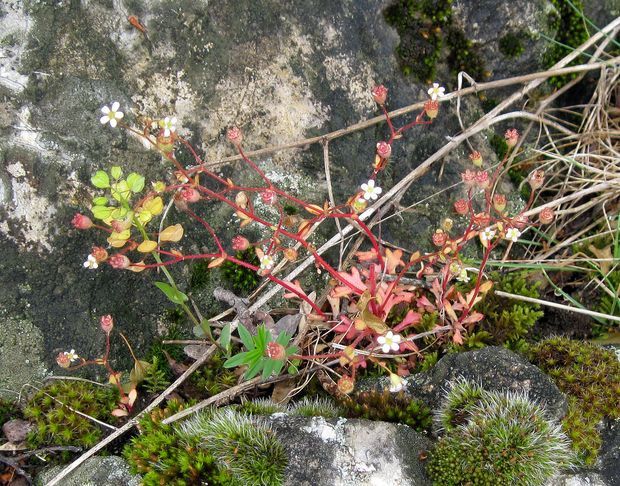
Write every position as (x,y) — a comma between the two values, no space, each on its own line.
(389,342)
(266,262)
(111,115)
(463,277)
(370,191)
(436,91)
(513,234)
(169,125)
(71,355)
(91,263)
(487,235)
(396,383)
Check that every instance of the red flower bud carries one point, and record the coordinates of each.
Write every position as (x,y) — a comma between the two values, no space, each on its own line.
(431,107)
(268,197)
(119,261)
(234,136)
(511,136)
(537,179)
(476,158)
(379,94)
(440,237)
(461,207)
(239,243)
(63,360)
(469,177)
(107,323)
(81,222)
(384,150)
(499,202)
(100,254)
(346,384)
(546,216)
(275,351)
(482,219)
(520,221)
(290,254)
(482,179)
(190,195)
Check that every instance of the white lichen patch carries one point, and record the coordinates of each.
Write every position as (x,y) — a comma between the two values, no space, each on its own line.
(14,27)
(326,431)
(354,79)
(29,213)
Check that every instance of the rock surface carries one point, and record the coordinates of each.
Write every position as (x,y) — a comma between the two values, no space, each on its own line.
(96,471)
(341,452)
(495,368)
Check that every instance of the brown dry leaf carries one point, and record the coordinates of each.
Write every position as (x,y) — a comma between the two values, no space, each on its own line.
(374,322)
(282,389)
(603,253)
(241,199)
(172,233)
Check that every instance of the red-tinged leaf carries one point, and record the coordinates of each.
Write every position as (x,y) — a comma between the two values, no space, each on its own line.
(133,394)
(473,317)
(450,311)
(411,318)
(425,303)
(354,279)
(486,286)
(366,256)
(118,412)
(395,299)
(259,253)
(457,337)
(409,346)
(297,287)
(393,259)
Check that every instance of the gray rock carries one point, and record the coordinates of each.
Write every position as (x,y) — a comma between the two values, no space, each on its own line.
(608,463)
(96,471)
(341,452)
(495,368)
(16,430)
(580,479)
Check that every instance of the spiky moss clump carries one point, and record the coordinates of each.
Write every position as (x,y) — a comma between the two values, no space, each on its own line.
(261,406)
(244,446)
(315,407)
(456,409)
(213,377)
(511,44)
(504,439)
(8,411)
(388,407)
(57,425)
(590,376)
(242,280)
(165,457)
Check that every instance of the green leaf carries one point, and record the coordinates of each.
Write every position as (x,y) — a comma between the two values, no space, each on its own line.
(100,179)
(270,364)
(246,337)
(237,360)
(225,337)
(293,370)
(120,191)
(116,172)
(174,295)
(135,182)
(100,201)
(278,367)
(102,212)
(283,338)
(255,368)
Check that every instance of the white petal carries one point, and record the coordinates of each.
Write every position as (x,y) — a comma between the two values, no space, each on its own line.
(378,190)
(119,115)
(397,338)
(105,110)
(430,91)
(166,133)
(113,122)
(435,85)
(104,119)
(373,196)
(371,183)
(441,91)
(115,106)
(381,339)
(174,120)
(364,187)
(385,348)
(395,347)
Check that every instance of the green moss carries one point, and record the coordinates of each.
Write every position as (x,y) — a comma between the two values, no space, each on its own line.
(57,425)
(163,456)
(157,376)
(315,407)
(511,44)
(8,411)
(501,439)
(590,376)
(213,378)
(499,145)
(388,407)
(242,280)
(261,406)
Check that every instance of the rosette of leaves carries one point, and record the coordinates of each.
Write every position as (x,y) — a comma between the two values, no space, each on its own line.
(264,355)
(500,439)
(54,412)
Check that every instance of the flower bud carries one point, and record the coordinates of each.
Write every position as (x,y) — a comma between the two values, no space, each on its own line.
(546,216)
(379,94)
(275,351)
(469,177)
(190,195)
(447,224)
(476,158)
(290,254)
(100,254)
(520,221)
(107,323)
(482,219)
(120,225)
(440,237)
(384,150)
(119,261)
(359,204)
(482,179)
(512,137)
(240,243)
(461,207)
(499,202)
(158,186)
(431,108)
(81,222)
(234,136)
(63,360)
(268,197)
(537,179)
(346,384)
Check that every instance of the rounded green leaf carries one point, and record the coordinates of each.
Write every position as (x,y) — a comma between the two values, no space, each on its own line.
(116,172)
(135,182)
(102,212)
(100,179)
(100,201)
